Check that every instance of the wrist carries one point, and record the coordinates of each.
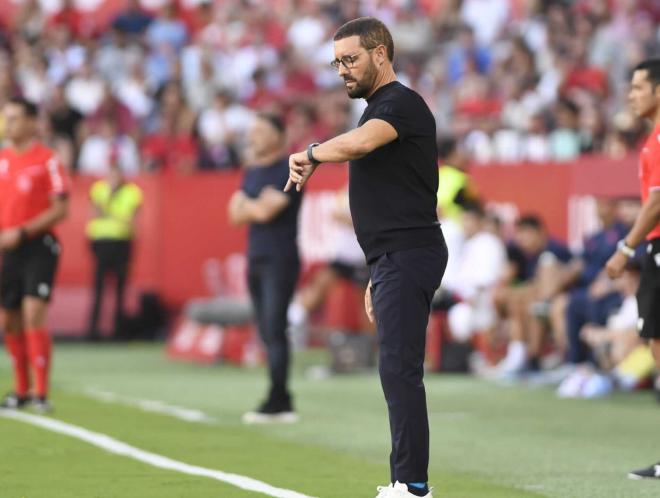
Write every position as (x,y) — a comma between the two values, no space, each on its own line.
(623,247)
(310,154)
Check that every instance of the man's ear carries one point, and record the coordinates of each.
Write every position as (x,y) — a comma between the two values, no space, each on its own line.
(381,53)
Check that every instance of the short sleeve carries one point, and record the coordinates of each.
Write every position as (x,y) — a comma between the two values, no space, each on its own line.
(398,115)
(405,113)
(58,181)
(562,252)
(654,171)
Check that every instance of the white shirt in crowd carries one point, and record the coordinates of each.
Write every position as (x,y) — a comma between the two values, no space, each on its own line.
(85,94)
(96,151)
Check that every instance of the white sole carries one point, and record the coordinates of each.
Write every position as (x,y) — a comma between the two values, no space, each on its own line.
(253,418)
(635,477)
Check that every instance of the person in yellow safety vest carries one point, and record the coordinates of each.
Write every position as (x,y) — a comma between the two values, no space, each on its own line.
(115,203)
(454,186)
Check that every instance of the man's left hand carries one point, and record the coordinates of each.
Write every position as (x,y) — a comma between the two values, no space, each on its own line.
(10,239)
(300,169)
(616,265)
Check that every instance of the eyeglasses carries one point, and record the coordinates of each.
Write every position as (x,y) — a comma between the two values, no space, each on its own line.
(348,61)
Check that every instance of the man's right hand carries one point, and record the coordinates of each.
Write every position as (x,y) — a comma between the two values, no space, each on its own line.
(300,169)
(368,304)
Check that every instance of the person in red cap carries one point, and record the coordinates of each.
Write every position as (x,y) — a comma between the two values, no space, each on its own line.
(33,199)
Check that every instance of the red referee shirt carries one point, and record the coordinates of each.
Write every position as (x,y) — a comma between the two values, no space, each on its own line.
(649,171)
(28,180)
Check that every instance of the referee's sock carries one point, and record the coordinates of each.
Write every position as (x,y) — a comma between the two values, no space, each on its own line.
(418,488)
(39,351)
(17,348)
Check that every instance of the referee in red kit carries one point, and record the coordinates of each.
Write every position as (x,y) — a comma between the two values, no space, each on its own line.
(644,100)
(33,199)
(393,183)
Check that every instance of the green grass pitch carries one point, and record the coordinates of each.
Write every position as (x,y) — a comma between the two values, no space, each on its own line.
(487,441)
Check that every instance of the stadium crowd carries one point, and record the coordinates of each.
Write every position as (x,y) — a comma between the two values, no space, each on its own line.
(174,88)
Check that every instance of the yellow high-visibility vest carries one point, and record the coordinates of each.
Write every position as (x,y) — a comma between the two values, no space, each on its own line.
(451,181)
(118,210)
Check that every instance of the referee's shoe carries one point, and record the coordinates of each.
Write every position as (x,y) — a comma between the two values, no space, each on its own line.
(652,472)
(398,490)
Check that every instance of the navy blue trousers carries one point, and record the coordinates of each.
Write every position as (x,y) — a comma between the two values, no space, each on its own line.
(271,284)
(403,284)
(583,309)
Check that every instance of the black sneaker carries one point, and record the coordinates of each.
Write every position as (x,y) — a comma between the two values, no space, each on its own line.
(272,411)
(40,404)
(652,472)
(13,401)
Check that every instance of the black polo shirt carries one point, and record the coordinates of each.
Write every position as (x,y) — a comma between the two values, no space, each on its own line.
(276,239)
(393,189)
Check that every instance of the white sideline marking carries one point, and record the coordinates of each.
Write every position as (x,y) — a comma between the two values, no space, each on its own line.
(117,447)
(150,405)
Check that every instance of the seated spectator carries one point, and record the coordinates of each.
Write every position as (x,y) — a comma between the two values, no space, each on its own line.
(172,148)
(106,147)
(565,140)
(64,123)
(167,29)
(133,20)
(583,294)
(133,91)
(30,20)
(110,107)
(619,359)
(533,254)
(80,25)
(222,130)
(86,90)
(467,50)
(481,262)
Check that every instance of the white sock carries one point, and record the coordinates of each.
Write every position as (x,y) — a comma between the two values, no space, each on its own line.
(296,314)
(516,355)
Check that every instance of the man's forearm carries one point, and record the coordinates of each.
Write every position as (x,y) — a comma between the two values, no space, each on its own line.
(345,147)
(46,220)
(648,218)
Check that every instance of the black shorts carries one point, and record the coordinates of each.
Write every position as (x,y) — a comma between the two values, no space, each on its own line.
(29,270)
(648,294)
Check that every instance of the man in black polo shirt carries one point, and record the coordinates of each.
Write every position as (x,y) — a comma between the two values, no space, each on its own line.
(273,262)
(393,184)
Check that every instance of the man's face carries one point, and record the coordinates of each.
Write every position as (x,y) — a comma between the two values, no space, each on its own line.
(529,239)
(644,100)
(606,210)
(263,137)
(17,124)
(360,76)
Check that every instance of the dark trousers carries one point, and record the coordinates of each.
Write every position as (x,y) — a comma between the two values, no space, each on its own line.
(112,258)
(583,309)
(402,287)
(271,284)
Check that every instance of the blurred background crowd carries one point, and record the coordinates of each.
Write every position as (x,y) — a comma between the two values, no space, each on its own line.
(171,86)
